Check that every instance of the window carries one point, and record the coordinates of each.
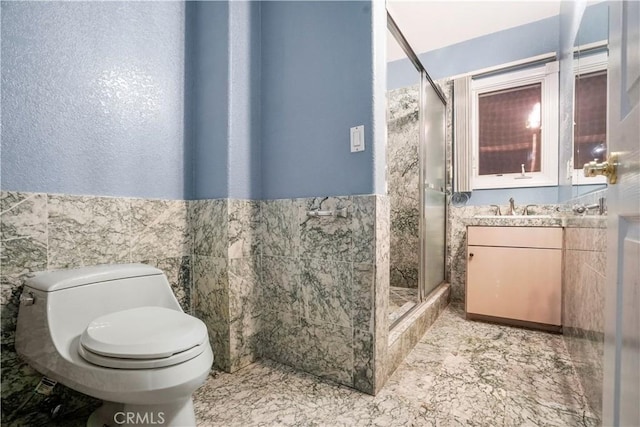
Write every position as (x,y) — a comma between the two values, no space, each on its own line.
(590,115)
(515,128)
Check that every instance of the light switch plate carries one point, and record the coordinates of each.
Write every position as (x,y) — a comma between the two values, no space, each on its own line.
(357,139)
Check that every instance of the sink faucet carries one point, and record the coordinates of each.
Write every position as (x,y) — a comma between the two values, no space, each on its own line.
(601,206)
(498,213)
(525,211)
(512,207)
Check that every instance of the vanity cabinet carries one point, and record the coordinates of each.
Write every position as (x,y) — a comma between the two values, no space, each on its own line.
(514,275)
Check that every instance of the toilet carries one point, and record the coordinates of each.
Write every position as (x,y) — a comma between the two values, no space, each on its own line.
(117,333)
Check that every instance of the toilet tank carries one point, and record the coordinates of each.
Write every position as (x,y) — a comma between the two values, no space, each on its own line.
(66,301)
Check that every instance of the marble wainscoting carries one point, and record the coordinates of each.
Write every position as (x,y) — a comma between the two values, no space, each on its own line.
(320,281)
(583,289)
(52,231)
(403,169)
(226,277)
(457,220)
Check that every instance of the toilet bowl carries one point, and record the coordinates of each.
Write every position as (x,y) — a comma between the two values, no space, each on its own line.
(116,333)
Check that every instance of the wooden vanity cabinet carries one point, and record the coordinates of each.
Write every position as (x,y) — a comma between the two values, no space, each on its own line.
(514,275)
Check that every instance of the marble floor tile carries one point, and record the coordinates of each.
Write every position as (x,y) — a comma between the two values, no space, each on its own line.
(461,373)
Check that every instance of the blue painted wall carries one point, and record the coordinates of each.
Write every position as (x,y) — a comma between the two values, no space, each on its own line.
(93,98)
(513,44)
(594,25)
(245,167)
(318,78)
(223,99)
(206,95)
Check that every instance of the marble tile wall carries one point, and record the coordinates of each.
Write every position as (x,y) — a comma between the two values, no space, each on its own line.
(226,277)
(52,231)
(403,177)
(319,284)
(583,292)
(266,279)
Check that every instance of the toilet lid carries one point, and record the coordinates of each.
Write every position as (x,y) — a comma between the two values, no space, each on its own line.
(143,333)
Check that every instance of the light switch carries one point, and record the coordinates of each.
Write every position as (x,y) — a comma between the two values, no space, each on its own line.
(357,139)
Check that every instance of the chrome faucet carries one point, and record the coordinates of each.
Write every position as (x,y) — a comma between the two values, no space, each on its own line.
(525,211)
(498,213)
(601,206)
(512,207)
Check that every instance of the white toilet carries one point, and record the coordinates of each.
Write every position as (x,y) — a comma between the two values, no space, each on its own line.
(117,333)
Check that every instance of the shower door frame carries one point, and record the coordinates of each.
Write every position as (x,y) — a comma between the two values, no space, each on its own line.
(425,79)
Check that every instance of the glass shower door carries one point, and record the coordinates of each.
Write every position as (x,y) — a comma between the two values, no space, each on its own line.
(433,219)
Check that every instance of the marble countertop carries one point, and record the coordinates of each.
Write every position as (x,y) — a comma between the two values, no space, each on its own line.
(573,221)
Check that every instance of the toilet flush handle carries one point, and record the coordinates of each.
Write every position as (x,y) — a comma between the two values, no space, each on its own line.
(27,298)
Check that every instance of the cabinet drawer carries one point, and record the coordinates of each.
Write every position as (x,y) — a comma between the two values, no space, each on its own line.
(517,237)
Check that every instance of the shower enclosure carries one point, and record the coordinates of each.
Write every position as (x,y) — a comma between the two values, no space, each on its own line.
(415,176)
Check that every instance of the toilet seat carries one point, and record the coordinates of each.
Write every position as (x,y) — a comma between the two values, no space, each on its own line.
(143,338)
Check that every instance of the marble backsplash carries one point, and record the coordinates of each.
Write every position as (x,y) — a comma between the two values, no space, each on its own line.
(403,179)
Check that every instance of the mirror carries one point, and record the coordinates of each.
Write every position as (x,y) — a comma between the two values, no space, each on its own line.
(590,97)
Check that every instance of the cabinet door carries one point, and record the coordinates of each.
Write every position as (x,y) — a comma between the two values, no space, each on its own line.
(514,283)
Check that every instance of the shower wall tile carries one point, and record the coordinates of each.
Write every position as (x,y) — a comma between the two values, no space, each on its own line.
(281,284)
(326,291)
(87,231)
(209,228)
(403,177)
(159,229)
(244,221)
(327,238)
(280,231)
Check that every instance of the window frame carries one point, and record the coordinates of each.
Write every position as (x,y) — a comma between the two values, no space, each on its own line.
(547,76)
(586,65)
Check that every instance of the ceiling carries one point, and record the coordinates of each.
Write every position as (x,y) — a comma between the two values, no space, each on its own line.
(432,24)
